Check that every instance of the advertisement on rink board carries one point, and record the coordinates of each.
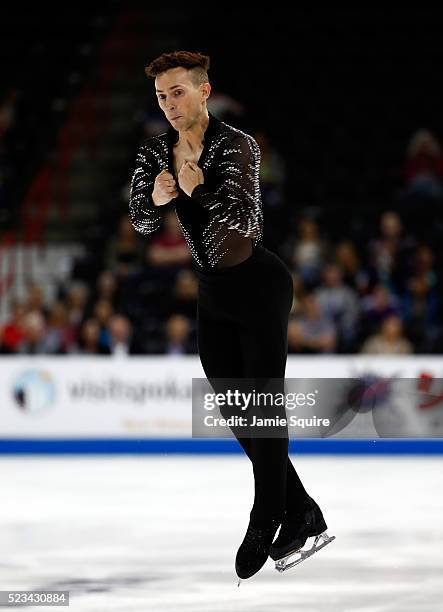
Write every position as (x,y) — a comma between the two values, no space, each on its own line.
(357,397)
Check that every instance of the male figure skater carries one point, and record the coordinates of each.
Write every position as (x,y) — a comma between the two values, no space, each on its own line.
(209,172)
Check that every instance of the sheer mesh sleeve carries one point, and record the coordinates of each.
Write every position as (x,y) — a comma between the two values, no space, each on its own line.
(144,215)
(236,199)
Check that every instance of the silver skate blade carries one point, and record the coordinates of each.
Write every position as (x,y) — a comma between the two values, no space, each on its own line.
(282,564)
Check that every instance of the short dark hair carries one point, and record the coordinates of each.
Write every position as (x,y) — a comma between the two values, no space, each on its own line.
(196,63)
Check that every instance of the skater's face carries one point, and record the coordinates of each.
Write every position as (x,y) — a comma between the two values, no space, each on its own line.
(180,98)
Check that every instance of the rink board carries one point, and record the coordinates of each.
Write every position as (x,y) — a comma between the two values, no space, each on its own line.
(103,405)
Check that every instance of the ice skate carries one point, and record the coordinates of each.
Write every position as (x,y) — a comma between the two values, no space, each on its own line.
(286,563)
(293,535)
(254,550)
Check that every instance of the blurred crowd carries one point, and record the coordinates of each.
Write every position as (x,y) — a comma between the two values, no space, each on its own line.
(382,296)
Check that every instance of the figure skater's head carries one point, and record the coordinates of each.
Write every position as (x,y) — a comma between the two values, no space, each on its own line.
(182,86)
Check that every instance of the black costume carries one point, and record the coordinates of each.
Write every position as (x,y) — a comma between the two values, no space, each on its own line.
(245,290)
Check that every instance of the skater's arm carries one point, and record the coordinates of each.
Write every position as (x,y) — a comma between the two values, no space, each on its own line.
(235,199)
(144,214)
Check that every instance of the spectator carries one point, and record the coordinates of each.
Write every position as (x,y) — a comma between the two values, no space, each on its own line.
(14,329)
(89,340)
(76,299)
(377,306)
(389,340)
(420,308)
(308,252)
(390,254)
(312,332)
(34,341)
(60,335)
(353,272)
(122,341)
(35,300)
(178,338)
(424,265)
(102,312)
(423,169)
(106,288)
(340,304)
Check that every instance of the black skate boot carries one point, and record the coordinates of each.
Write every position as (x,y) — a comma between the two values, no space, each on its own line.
(295,530)
(254,550)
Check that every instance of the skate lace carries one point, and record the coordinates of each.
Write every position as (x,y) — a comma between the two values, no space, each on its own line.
(252,535)
(256,536)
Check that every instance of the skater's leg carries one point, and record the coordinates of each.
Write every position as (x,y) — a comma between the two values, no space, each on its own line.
(220,354)
(219,348)
(277,484)
(296,495)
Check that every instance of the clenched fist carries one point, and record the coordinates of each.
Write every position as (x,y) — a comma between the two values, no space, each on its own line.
(165,188)
(189,176)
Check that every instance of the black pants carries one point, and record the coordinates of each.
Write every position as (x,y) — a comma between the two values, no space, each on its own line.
(242,322)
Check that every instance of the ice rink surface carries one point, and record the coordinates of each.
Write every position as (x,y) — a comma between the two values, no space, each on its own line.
(142,533)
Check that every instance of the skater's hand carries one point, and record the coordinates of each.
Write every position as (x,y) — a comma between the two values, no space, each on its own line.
(190,176)
(165,188)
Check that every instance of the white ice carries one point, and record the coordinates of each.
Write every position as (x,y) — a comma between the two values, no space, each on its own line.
(142,533)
